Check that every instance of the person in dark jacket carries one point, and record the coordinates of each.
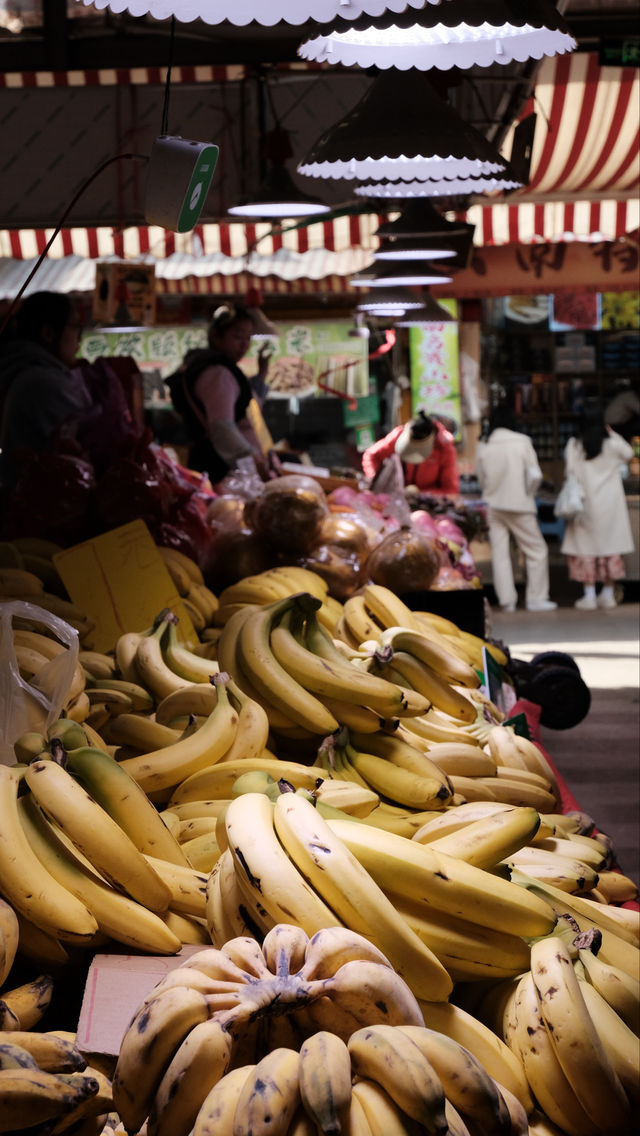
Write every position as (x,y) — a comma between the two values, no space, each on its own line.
(212,395)
(427,452)
(39,394)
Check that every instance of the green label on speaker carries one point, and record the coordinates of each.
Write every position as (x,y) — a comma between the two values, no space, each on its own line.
(196,194)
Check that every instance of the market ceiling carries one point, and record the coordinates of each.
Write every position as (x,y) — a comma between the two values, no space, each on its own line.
(54,137)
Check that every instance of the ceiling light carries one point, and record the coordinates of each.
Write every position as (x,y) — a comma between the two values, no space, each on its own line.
(460,33)
(401,129)
(400,275)
(437,187)
(278,195)
(415,248)
(390,301)
(431,313)
(265,12)
(419,218)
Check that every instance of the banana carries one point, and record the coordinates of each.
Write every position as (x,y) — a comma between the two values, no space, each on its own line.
(462,758)
(217,781)
(508,790)
(434,688)
(30,1097)
(337,679)
(465,949)
(205,600)
(29,888)
(360,624)
(202,852)
(229,661)
(157,1030)
(403,754)
(29,1002)
(565,874)
(198,1064)
(265,868)
(430,652)
(270,679)
(219,1106)
(126,803)
(102,690)
(98,664)
(187,887)
(585,849)
(10,555)
(195,698)
(326,861)
(325,1080)
(71,613)
(115,914)
(186,928)
(620,1043)
(184,662)
(466,1083)
(29,662)
(579,1049)
(620,989)
(388,1056)
(150,664)
(95,834)
(485,842)
(381,1114)
(413,871)
(387,608)
(36,546)
(125,653)
(617,887)
(9,938)
(175,557)
(454,819)
(550,1086)
(252,731)
(468,1031)
(344,795)
(395,783)
(173,764)
(86,1115)
(19,582)
(229,913)
(332,947)
(48,1051)
(137,731)
(269,1098)
(595,914)
(41,948)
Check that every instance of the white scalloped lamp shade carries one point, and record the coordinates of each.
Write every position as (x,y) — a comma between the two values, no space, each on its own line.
(460,33)
(401,130)
(389,302)
(265,12)
(437,187)
(402,274)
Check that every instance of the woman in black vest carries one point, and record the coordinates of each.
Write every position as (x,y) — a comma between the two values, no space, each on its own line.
(212,395)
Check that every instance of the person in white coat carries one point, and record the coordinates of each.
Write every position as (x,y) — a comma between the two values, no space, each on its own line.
(509,473)
(597,539)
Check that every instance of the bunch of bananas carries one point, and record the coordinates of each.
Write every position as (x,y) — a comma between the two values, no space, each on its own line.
(572,1018)
(28,573)
(304,1034)
(277,584)
(47,1086)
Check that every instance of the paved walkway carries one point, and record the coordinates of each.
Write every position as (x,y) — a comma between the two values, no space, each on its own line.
(600,757)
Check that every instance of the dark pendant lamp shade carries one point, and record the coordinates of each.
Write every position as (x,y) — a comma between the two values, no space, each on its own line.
(402,274)
(429,313)
(419,218)
(401,129)
(420,232)
(460,33)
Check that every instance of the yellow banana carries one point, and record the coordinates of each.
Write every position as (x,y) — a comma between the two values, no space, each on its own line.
(576,1043)
(620,989)
(125,653)
(48,904)
(433,686)
(173,764)
(217,781)
(174,556)
(198,698)
(19,582)
(219,1106)
(388,1056)
(352,893)
(138,731)
(405,755)
(380,1115)
(9,938)
(98,664)
(115,914)
(620,1043)
(52,1053)
(414,871)
(427,650)
(29,1001)
(41,948)
(201,1060)
(184,662)
(325,1079)
(96,834)
(33,1097)
(150,664)
(395,783)
(252,731)
(186,886)
(273,1090)
(484,843)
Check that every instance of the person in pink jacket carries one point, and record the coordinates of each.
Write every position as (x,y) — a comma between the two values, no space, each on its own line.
(426,450)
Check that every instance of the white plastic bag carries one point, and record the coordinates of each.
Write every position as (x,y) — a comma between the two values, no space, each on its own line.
(570,500)
(37,704)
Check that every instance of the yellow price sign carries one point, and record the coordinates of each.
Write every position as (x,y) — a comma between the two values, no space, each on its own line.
(120,580)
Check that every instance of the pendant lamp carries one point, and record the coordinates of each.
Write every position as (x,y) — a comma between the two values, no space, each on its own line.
(265,12)
(389,301)
(420,232)
(415,248)
(399,275)
(278,196)
(437,187)
(420,218)
(430,313)
(460,33)
(401,129)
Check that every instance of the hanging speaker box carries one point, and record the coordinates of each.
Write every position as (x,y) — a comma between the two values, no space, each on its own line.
(178,178)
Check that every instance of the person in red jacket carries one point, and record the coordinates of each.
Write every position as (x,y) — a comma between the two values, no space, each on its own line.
(426,450)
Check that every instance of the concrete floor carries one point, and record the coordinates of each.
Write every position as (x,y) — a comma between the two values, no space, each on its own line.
(600,757)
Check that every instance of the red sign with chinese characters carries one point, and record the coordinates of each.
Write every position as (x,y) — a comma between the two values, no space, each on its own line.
(609,266)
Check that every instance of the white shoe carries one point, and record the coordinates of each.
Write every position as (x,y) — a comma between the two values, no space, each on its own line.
(542,605)
(586,603)
(508,608)
(606,602)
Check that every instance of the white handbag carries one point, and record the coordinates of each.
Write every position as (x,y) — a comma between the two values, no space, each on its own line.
(570,500)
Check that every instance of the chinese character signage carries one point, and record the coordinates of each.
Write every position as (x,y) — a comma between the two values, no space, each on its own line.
(315,357)
(154,349)
(434,365)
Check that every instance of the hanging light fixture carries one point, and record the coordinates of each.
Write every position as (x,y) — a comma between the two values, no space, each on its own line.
(438,187)
(416,248)
(399,275)
(389,301)
(460,33)
(420,218)
(429,314)
(278,196)
(265,12)
(401,129)
(421,233)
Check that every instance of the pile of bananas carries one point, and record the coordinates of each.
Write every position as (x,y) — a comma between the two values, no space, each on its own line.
(305,1034)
